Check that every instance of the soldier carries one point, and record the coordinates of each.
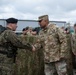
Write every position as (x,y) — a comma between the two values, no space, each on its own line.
(69,52)
(36,31)
(28,62)
(73,40)
(24,31)
(54,42)
(74,46)
(9,42)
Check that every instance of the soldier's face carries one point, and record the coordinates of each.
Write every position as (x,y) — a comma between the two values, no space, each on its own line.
(24,32)
(42,23)
(14,26)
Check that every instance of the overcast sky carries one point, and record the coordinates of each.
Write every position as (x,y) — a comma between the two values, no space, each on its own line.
(58,10)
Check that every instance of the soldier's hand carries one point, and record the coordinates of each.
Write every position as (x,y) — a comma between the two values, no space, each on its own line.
(33,48)
(74,53)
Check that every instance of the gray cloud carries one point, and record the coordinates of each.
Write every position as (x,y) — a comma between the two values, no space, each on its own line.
(31,9)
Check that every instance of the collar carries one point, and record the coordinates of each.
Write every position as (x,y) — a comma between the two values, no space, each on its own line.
(8,28)
(44,29)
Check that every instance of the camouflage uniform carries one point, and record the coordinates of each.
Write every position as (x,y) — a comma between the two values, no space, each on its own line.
(69,55)
(73,40)
(28,62)
(6,60)
(54,43)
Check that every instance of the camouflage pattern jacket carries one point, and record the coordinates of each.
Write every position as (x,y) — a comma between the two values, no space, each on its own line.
(73,43)
(8,36)
(54,42)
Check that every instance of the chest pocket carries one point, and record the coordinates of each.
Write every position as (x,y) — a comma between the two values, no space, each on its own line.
(52,37)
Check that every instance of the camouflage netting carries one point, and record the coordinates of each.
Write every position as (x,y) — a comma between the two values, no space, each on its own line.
(28,62)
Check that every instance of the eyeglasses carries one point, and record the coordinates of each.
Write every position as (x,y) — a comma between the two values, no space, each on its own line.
(40,21)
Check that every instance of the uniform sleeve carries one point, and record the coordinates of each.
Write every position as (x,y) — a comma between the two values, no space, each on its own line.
(73,43)
(14,39)
(63,43)
(38,43)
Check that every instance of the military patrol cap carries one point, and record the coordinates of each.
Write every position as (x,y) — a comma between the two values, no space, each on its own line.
(11,20)
(43,17)
(25,28)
